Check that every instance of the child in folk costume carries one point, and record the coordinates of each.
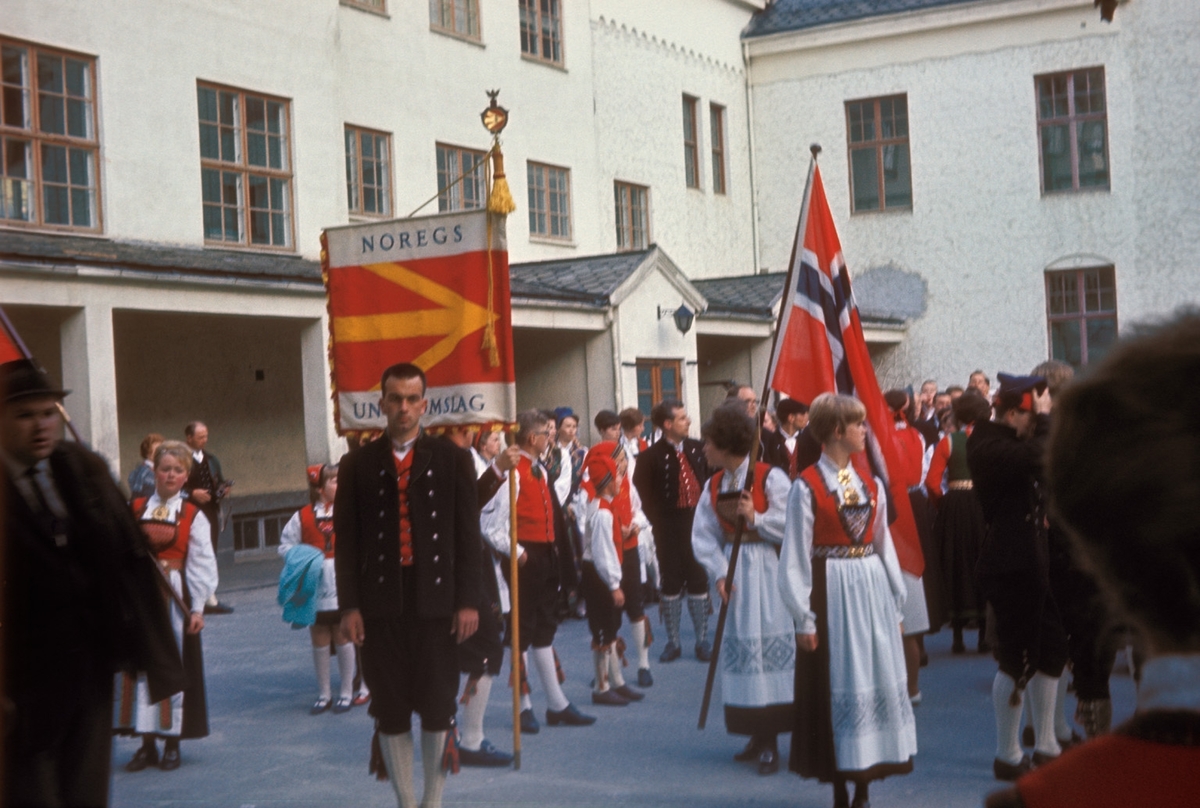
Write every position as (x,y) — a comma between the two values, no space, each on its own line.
(601,579)
(758,651)
(179,537)
(841,581)
(313,526)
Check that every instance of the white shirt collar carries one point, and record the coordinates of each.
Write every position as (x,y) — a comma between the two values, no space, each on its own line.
(401,450)
(198,455)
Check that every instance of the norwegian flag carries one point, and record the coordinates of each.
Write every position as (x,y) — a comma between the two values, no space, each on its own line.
(821,349)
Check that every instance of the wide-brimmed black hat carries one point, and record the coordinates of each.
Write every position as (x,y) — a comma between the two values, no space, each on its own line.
(21,378)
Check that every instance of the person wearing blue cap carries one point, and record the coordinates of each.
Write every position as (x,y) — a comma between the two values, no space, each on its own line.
(1005,459)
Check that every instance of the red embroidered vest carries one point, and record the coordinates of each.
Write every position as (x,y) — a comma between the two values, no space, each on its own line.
(535,513)
(317,532)
(168,542)
(759,495)
(827,523)
(403,468)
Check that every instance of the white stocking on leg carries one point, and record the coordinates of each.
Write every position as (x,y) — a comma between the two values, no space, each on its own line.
(433,744)
(398,756)
(543,662)
(473,710)
(321,663)
(1043,692)
(637,631)
(345,655)
(600,664)
(1062,725)
(615,677)
(1008,720)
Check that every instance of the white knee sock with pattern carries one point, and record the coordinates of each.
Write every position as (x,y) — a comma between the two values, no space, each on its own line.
(543,661)
(321,663)
(398,756)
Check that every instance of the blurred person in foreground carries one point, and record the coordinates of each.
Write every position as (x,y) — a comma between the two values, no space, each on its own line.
(80,601)
(141,479)
(1123,480)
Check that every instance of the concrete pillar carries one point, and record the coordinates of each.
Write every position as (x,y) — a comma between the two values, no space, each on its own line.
(322,444)
(90,372)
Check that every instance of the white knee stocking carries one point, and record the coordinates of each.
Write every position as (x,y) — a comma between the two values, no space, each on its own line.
(637,631)
(321,663)
(1043,692)
(433,744)
(398,756)
(1062,726)
(543,662)
(615,677)
(345,655)
(1008,720)
(473,711)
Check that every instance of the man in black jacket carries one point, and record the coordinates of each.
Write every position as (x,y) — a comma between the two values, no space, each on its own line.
(408,572)
(80,601)
(1005,457)
(669,477)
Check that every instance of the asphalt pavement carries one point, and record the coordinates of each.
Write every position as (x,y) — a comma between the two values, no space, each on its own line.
(266,750)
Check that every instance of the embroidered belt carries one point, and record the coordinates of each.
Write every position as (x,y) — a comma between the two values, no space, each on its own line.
(960,485)
(843,550)
(171,564)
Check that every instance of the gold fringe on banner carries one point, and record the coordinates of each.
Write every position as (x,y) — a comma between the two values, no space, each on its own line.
(500,199)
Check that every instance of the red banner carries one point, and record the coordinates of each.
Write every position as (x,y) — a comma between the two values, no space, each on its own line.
(433,291)
(821,349)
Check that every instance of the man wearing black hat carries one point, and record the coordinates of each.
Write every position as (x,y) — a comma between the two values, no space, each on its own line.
(80,602)
(1005,458)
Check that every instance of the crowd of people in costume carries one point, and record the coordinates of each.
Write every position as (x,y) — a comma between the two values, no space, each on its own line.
(402,568)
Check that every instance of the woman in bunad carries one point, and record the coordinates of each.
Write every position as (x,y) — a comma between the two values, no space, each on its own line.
(313,525)
(759,649)
(178,535)
(958,529)
(841,582)
(601,577)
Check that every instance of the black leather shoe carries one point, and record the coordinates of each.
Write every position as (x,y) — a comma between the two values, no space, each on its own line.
(1008,772)
(671,653)
(605,698)
(750,752)
(145,756)
(768,761)
(170,759)
(217,608)
(1041,759)
(485,755)
(569,716)
(529,723)
(628,693)
(703,652)
(644,677)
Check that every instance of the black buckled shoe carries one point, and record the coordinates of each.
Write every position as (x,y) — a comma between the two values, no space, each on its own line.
(485,755)
(529,723)
(569,716)
(1003,770)
(644,677)
(605,698)
(670,653)
(768,761)
(628,693)
(1041,759)
(143,758)
(170,759)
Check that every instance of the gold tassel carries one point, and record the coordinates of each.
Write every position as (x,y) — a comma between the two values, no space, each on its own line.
(500,200)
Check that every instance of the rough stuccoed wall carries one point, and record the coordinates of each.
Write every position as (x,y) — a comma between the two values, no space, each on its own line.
(640,80)
(981,233)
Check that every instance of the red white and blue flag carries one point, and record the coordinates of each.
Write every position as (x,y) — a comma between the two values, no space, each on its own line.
(821,349)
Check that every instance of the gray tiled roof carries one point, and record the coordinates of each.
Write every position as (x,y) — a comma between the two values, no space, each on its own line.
(52,249)
(742,296)
(796,15)
(589,280)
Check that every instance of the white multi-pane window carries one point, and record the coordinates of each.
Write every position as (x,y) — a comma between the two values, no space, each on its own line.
(549,201)
(48,176)
(459,17)
(368,172)
(460,178)
(633,215)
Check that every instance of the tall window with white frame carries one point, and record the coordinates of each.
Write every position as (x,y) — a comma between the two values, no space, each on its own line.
(1073,130)
(48,176)
(541,30)
(1081,310)
(716,117)
(549,201)
(245,167)
(460,178)
(458,17)
(691,145)
(633,215)
(877,139)
(368,172)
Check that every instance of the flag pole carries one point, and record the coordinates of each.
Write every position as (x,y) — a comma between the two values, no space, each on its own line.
(748,485)
(514,615)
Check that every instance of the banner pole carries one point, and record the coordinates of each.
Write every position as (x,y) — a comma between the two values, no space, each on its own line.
(514,615)
(748,485)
